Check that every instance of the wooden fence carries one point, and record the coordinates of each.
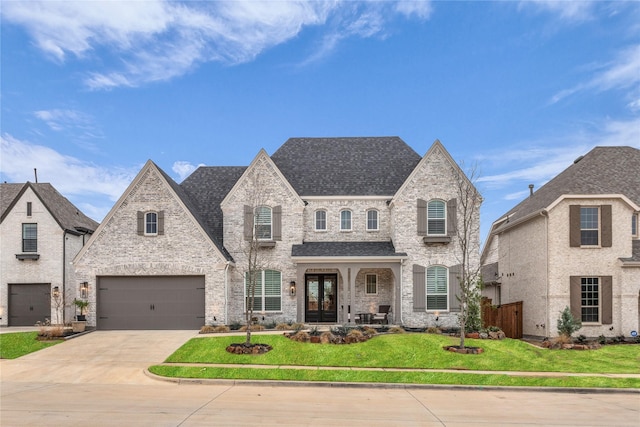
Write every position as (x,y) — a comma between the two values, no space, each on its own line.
(507,317)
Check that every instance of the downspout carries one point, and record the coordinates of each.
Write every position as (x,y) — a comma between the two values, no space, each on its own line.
(64,276)
(400,290)
(546,250)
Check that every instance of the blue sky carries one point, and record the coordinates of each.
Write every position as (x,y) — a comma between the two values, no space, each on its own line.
(91,90)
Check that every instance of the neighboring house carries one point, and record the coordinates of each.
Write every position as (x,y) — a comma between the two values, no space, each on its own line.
(41,232)
(573,243)
(343,226)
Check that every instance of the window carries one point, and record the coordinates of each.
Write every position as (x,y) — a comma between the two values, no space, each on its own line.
(29,209)
(262,223)
(321,220)
(589,226)
(29,237)
(345,220)
(267,292)
(634,225)
(150,224)
(371,284)
(437,289)
(372,219)
(436,214)
(590,299)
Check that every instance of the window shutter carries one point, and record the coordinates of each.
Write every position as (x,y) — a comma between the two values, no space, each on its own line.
(606,299)
(140,223)
(419,289)
(276,218)
(248,223)
(160,222)
(574,226)
(452,217)
(422,217)
(605,219)
(575,293)
(454,287)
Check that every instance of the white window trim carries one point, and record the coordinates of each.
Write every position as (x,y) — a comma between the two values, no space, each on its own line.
(315,221)
(350,220)
(599,322)
(377,219)
(366,284)
(426,278)
(146,222)
(445,217)
(263,295)
(255,224)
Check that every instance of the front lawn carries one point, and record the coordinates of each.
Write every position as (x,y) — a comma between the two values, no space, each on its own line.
(14,345)
(408,351)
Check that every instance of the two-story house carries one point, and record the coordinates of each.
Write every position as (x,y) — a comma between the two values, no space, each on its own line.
(341,226)
(41,232)
(573,243)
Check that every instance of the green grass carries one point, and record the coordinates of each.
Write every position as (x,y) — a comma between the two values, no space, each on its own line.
(417,351)
(18,344)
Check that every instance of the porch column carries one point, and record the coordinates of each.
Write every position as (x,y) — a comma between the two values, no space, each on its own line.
(344,317)
(396,304)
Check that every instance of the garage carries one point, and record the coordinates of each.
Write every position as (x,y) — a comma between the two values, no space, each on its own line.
(150,302)
(29,303)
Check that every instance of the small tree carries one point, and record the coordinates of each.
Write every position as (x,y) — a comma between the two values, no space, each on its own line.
(467,233)
(567,324)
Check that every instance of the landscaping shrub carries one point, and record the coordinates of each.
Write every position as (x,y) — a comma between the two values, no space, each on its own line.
(567,324)
(354,336)
(301,336)
(327,338)
(254,328)
(397,330)
(283,327)
(207,329)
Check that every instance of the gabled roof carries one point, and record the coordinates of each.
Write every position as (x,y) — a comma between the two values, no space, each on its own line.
(65,213)
(207,186)
(358,166)
(603,170)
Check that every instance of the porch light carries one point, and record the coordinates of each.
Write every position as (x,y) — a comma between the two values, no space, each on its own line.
(437,314)
(56,291)
(84,290)
(292,288)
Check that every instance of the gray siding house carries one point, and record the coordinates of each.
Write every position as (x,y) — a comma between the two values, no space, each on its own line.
(346,228)
(573,243)
(40,233)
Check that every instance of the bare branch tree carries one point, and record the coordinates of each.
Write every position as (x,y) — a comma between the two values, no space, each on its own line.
(468,231)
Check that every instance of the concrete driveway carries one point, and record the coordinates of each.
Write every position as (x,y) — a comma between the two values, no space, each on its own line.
(101,357)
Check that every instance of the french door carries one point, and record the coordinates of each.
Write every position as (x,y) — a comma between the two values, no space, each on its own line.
(321,298)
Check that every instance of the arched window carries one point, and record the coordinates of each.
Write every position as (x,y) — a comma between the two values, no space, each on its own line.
(372,219)
(321,220)
(345,220)
(436,218)
(151,224)
(437,288)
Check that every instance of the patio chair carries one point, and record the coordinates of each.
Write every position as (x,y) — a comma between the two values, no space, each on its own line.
(382,316)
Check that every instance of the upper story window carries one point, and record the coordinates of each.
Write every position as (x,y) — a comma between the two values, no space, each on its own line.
(263,226)
(437,289)
(589,230)
(371,287)
(634,225)
(436,218)
(151,224)
(372,219)
(345,220)
(267,291)
(29,237)
(29,209)
(321,220)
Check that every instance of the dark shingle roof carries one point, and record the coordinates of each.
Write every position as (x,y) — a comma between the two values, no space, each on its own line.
(207,186)
(603,170)
(66,214)
(362,166)
(343,249)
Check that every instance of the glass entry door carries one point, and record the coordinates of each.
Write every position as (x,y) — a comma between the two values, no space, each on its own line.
(321,298)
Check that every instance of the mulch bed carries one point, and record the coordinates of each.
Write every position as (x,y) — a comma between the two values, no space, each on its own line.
(249,349)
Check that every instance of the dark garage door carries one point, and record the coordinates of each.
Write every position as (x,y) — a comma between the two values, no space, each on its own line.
(150,302)
(29,303)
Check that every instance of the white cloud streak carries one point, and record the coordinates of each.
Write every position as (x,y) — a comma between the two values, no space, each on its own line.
(157,40)
(184,169)
(567,10)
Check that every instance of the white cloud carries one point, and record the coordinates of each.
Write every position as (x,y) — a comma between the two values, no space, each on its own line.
(623,72)
(568,10)
(156,40)
(69,175)
(60,119)
(184,169)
